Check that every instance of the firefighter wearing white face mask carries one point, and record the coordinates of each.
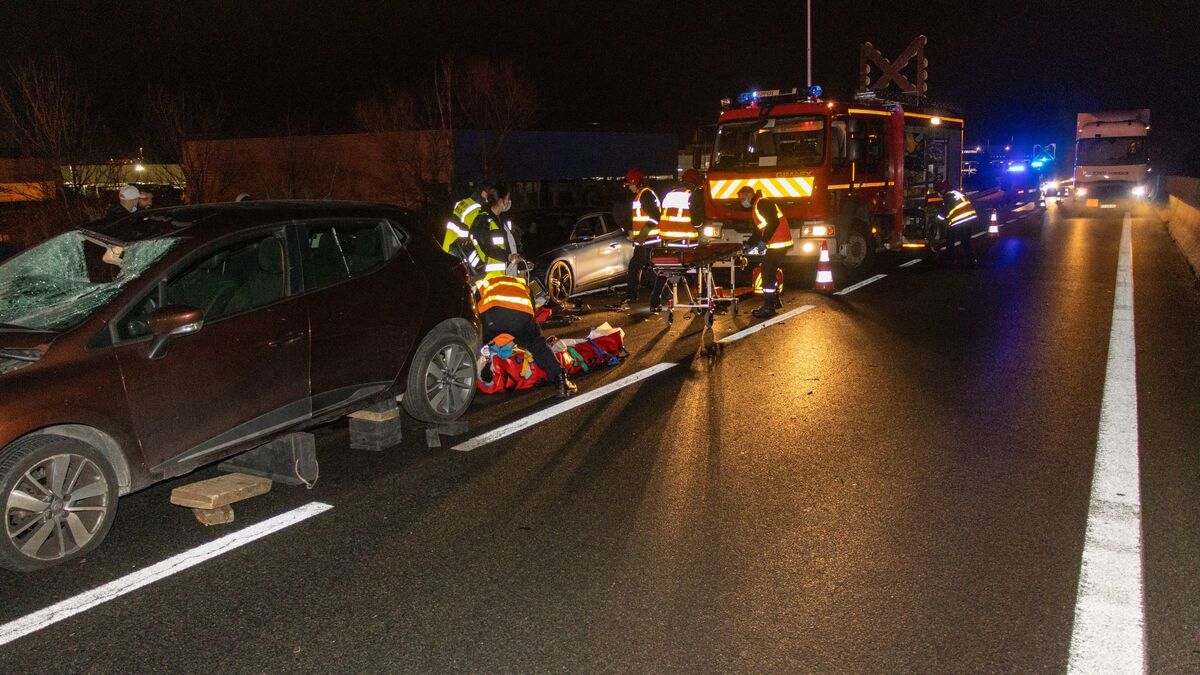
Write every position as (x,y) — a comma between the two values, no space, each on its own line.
(495,240)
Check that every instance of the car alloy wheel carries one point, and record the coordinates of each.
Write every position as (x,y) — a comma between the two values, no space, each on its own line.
(450,380)
(560,283)
(56,507)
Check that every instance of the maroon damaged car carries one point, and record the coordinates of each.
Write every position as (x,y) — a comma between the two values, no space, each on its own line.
(144,347)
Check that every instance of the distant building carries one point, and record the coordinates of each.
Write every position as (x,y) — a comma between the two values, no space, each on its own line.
(426,169)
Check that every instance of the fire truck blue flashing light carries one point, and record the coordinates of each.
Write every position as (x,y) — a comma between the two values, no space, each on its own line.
(815,91)
(747,97)
(1016,168)
(1037,164)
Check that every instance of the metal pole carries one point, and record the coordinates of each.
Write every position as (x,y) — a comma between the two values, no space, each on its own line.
(808,22)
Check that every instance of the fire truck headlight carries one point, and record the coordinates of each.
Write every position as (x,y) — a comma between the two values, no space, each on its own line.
(1139,190)
(820,231)
(1082,192)
(807,247)
(711,231)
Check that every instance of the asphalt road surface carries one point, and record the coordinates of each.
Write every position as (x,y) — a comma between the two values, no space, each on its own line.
(897,480)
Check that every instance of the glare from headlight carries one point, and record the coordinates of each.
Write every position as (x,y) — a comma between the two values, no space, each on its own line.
(710,231)
(807,247)
(820,231)
(1139,190)
(1081,191)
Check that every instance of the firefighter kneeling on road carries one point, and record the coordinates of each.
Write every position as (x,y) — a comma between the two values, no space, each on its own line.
(957,215)
(505,307)
(771,230)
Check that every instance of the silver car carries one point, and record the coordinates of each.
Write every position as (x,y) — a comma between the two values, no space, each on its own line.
(573,249)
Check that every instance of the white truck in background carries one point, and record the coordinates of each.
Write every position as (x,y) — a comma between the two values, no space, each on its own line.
(1112,160)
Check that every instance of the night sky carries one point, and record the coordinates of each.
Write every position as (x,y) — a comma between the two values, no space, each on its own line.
(1016,69)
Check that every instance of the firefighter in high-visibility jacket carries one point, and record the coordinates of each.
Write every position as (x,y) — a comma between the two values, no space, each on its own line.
(458,241)
(504,306)
(958,216)
(645,234)
(772,233)
(683,211)
(495,241)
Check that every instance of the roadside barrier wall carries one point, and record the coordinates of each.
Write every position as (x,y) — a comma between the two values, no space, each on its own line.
(1183,216)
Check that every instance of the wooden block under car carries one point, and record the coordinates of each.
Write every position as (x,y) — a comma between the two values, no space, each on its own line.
(220,491)
(376,415)
(218,516)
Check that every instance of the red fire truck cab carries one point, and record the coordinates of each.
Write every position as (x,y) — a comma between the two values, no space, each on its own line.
(858,174)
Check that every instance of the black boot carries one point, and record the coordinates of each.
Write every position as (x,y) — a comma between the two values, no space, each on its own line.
(767,310)
(566,388)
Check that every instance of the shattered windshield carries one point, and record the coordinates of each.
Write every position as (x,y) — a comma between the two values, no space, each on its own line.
(60,282)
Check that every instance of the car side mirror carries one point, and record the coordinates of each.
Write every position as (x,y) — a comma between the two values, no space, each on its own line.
(169,321)
(580,238)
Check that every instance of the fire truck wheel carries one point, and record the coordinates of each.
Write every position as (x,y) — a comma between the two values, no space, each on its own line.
(859,251)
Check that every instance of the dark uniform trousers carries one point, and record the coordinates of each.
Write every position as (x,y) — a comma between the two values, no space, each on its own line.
(525,331)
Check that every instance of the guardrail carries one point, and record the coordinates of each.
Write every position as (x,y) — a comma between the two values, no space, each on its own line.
(1183,216)
(1184,188)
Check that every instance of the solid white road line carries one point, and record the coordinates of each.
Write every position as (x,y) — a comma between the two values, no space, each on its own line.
(558,409)
(1108,635)
(747,332)
(910,263)
(850,289)
(978,234)
(131,582)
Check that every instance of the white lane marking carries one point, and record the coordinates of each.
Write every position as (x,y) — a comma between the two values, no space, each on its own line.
(910,263)
(1109,630)
(131,582)
(850,289)
(560,408)
(747,332)
(978,234)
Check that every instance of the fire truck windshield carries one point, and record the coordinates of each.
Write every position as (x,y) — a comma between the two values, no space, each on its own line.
(783,142)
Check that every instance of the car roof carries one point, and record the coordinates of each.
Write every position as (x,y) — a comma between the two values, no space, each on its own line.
(210,221)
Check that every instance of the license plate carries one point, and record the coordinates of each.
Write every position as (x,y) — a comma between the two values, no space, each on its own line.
(1092,202)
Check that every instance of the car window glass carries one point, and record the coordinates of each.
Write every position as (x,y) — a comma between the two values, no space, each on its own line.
(234,279)
(586,228)
(340,251)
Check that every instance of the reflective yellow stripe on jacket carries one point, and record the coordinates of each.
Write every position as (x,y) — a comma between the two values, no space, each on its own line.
(677,216)
(504,291)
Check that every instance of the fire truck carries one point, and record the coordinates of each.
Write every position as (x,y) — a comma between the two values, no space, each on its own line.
(858,174)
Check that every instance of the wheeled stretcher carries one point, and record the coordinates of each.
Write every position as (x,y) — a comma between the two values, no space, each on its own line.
(676,263)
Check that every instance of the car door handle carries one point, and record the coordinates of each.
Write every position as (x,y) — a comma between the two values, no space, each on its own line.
(285,340)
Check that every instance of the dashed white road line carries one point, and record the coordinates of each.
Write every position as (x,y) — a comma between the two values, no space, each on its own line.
(600,392)
(910,263)
(978,235)
(560,408)
(747,332)
(1108,635)
(850,289)
(131,582)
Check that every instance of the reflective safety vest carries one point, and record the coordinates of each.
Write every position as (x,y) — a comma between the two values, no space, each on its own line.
(960,213)
(503,291)
(502,236)
(644,221)
(458,240)
(677,227)
(782,236)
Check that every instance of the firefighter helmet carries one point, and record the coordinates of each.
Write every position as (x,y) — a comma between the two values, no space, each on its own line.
(692,177)
(634,177)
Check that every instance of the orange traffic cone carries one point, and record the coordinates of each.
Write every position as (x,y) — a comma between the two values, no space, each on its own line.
(993,225)
(824,271)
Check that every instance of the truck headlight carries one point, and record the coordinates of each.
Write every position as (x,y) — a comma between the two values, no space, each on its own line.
(1139,190)
(711,231)
(815,231)
(1082,192)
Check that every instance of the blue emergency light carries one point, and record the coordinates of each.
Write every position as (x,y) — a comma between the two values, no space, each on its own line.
(1016,168)
(815,91)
